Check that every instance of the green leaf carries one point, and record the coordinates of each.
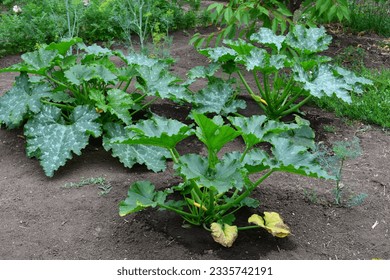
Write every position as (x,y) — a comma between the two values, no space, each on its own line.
(117,102)
(199,72)
(152,157)
(95,50)
(78,74)
(260,60)
(157,131)
(240,46)
(140,59)
(158,81)
(213,135)
(23,98)
(258,129)
(219,54)
(40,60)
(257,59)
(257,160)
(63,46)
(217,97)
(52,140)
(324,81)
(228,173)
(141,195)
(308,40)
(296,159)
(351,79)
(267,37)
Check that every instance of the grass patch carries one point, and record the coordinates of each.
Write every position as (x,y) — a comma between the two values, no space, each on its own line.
(373,106)
(370,15)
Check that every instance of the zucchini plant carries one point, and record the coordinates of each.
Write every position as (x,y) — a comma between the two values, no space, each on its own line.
(287,70)
(64,98)
(216,186)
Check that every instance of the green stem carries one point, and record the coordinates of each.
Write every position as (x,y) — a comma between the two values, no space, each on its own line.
(248,227)
(288,104)
(140,98)
(247,148)
(296,107)
(250,91)
(258,83)
(175,155)
(144,106)
(180,212)
(286,91)
(267,92)
(245,193)
(67,107)
(127,84)
(58,82)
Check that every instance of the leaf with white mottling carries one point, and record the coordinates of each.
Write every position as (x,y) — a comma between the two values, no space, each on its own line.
(23,98)
(324,82)
(308,40)
(152,157)
(158,81)
(52,140)
(217,97)
(221,54)
(267,37)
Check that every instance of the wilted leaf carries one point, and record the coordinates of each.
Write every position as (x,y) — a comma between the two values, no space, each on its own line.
(224,234)
(272,222)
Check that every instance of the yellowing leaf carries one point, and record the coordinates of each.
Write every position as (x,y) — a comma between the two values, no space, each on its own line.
(272,222)
(224,234)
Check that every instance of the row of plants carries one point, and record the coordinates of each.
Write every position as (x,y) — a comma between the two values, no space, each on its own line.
(68,92)
(241,18)
(30,23)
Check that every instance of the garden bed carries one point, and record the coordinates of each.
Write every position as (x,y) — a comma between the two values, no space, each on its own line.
(47,218)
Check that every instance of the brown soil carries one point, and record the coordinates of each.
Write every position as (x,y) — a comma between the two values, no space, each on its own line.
(40,219)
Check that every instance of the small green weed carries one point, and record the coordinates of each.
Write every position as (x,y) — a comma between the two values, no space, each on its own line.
(329,128)
(311,195)
(333,160)
(100,182)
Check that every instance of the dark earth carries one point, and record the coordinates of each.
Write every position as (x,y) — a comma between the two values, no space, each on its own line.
(42,218)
